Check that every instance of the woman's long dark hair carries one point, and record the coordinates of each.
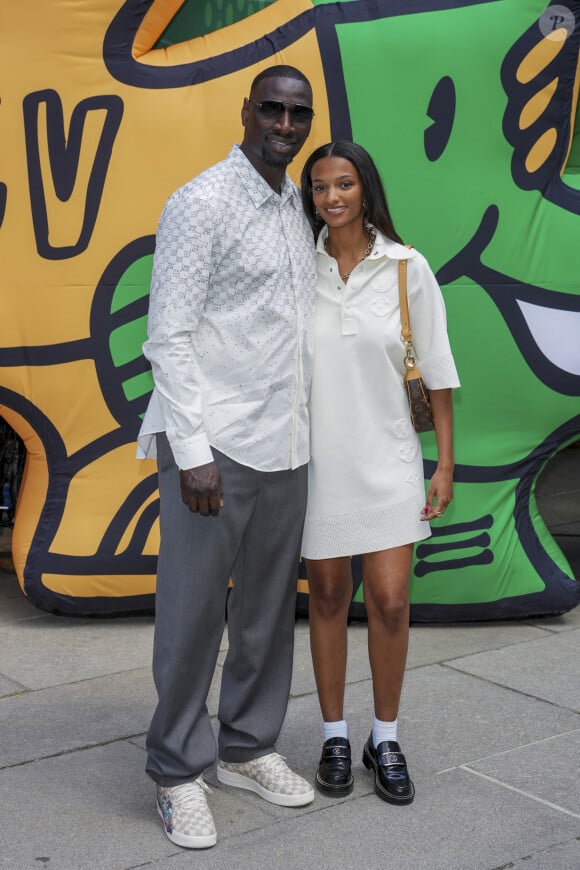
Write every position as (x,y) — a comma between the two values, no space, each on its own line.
(376,209)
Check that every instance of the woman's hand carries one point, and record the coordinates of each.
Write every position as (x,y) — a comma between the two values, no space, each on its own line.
(440,490)
(439,494)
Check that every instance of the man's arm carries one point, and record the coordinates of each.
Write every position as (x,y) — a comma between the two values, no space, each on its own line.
(179,286)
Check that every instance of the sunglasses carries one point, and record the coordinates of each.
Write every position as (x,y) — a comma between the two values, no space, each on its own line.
(276,108)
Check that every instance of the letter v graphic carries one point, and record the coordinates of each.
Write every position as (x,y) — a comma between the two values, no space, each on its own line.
(63,159)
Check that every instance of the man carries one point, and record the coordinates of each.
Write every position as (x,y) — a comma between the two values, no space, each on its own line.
(230,344)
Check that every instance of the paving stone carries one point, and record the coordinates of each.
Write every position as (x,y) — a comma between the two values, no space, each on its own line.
(545,668)
(10,687)
(431,644)
(564,622)
(541,769)
(14,604)
(563,856)
(54,650)
(39,724)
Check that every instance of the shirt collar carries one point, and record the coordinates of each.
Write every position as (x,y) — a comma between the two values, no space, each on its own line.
(383,247)
(257,187)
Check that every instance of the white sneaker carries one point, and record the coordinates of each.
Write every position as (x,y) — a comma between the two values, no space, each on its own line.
(270,777)
(186,817)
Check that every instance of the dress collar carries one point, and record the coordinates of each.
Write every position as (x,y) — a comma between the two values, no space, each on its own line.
(383,247)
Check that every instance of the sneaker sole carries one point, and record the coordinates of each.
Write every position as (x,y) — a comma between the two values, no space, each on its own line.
(237,780)
(201,842)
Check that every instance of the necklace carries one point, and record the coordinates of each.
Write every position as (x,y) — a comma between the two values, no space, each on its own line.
(346,275)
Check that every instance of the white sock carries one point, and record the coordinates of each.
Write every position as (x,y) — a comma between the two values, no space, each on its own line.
(383,731)
(335,729)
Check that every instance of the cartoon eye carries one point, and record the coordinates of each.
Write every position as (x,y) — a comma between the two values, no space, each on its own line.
(198,19)
(119,327)
(441,110)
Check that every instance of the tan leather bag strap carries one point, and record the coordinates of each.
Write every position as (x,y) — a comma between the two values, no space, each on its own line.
(404,303)
(405,318)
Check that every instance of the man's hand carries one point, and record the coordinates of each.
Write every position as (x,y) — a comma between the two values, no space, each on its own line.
(201,489)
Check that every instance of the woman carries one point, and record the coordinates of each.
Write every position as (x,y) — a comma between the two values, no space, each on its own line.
(366,490)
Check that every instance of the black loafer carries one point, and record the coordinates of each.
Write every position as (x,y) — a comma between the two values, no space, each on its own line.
(392,782)
(334,777)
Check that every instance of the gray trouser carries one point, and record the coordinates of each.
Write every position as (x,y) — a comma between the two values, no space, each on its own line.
(255,541)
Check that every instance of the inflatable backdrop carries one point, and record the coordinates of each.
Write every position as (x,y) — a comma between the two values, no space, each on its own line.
(469,108)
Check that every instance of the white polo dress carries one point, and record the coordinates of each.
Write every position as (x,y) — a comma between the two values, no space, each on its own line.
(366,485)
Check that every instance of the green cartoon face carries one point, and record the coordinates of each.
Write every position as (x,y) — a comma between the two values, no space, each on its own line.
(467,144)
(467,108)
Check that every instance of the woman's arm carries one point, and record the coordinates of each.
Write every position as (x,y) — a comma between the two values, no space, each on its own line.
(440,490)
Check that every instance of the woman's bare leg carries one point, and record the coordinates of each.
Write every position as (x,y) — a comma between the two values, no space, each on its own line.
(386,595)
(330,585)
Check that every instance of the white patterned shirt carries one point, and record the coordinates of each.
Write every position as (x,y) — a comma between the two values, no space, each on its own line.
(230,328)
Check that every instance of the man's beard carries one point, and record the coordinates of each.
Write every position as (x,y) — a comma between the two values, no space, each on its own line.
(272,158)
